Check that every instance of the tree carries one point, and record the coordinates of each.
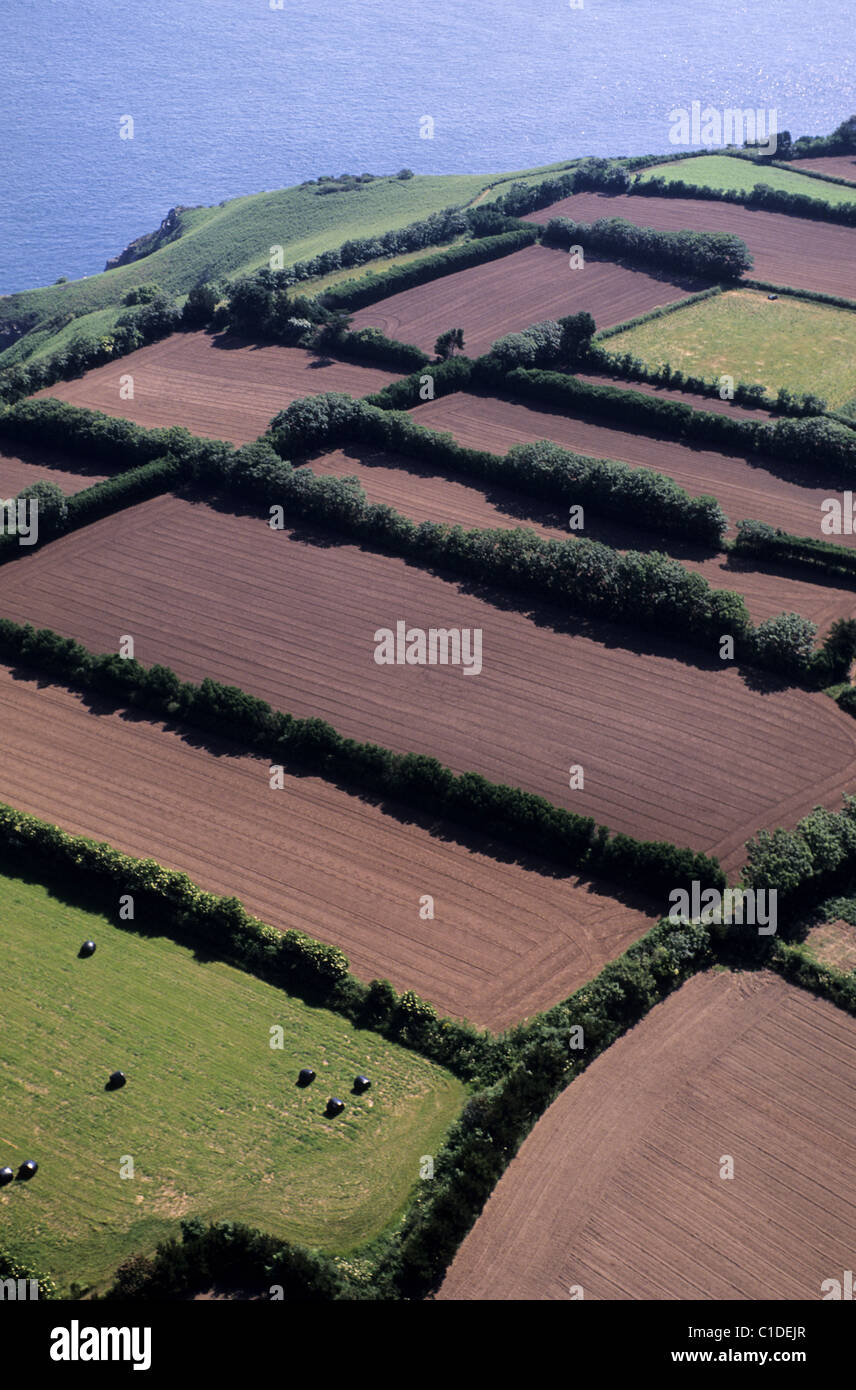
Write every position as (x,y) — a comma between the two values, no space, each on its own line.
(786,643)
(448,342)
(199,308)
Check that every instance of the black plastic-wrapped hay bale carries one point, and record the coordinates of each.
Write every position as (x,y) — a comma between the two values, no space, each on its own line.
(335,1106)
(361,1083)
(87,949)
(116,1081)
(6,1175)
(27,1170)
(306,1076)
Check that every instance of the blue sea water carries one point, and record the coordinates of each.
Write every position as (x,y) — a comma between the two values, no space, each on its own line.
(235,96)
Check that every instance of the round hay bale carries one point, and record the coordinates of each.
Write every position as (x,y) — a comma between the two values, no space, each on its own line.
(117,1079)
(6,1175)
(87,949)
(335,1106)
(28,1169)
(306,1076)
(361,1083)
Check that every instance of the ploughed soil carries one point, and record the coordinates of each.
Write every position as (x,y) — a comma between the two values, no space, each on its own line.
(836,166)
(21,465)
(748,486)
(618,1189)
(509,936)
(424,493)
(675,744)
(795,251)
(215,385)
(510,293)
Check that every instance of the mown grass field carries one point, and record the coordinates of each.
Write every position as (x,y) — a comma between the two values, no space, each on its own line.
(808,348)
(725,172)
(210,1114)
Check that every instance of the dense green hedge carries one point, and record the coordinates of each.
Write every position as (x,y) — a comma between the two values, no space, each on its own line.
(834,301)
(354,294)
(814,441)
(660,312)
(541,469)
(761,196)
(794,964)
(445,377)
(230,1255)
(772,543)
(115,443)
(709,255)
(806,864)
(370,345)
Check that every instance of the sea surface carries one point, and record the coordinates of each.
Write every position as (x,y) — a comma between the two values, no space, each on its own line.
(235,96)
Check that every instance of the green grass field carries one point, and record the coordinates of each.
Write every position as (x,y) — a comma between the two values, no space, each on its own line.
(210,1114)
(725,172)
(808,348)
(235,237)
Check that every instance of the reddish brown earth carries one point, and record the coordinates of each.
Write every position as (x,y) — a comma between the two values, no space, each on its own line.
(672,748)
(415,489)
(215,385)
(507,939)
(788,250)
(20,466)
(618,1188)
(666,393)
(515,291)
(836,166)
(748,487)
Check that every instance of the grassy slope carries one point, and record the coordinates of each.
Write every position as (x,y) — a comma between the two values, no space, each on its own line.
(210,1114)
(236,237)
(720,171)
(809,348)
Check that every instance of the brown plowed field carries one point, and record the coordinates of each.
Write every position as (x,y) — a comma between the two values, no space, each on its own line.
(788,250)
(666,393)
(515,291)
(670,750)
(747,486)
(21,466)
(414,489)
(507,939)
(836,166)
(215,385)
(617,1189)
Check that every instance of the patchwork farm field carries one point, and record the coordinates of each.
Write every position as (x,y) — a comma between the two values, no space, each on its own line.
(508,294)
(795,251)
(807,348)
(724,172)
(835,166)
(618,1187)
(748,487)
(293,620)
(509,936)
(21,466)
(417,490)
(211,1114)
(215,385)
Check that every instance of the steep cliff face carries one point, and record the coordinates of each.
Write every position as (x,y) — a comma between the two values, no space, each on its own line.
(169,230)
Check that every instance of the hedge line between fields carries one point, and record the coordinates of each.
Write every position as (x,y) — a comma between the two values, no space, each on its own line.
(527,821)
(358,293)
(799,440)
(172,904)
(542,469)
(708,255)
(757,538)
(761,196)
